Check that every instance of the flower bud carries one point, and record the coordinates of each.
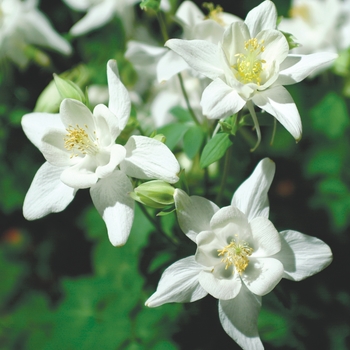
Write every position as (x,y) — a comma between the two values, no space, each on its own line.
(68,89)
(156,194)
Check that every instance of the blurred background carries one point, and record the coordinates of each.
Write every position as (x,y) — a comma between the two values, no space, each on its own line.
(64,286)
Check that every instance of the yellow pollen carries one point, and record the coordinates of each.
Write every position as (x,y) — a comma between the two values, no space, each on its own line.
(77,139)
(236,254)
(300,11)
(214,12)
(249,66)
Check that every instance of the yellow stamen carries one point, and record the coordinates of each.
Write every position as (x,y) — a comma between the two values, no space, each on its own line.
(300,11)
(214,12)
(236,254)
(77,139)
(249,66)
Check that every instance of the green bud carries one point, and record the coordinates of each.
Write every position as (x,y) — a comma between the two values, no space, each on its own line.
(68,89)
(156,194)
(290,40)
(49,100)
(150,4)
(159,137)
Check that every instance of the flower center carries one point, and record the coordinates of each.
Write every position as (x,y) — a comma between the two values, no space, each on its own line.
(78,140)
(214,12)
(249,66)
(236,254)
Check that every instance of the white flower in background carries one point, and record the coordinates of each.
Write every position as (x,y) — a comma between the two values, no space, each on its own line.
(240,256)
(80,152)
(250,66)
(21,25)
(100,12)
(314,24)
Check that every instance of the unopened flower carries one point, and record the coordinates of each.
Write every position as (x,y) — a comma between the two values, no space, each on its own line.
(240,256)
(80,151)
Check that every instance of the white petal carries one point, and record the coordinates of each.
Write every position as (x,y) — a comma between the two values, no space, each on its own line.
(189,14)
(111,198)
(201,55)
(107,125)
(239,318)
(262,275)
(119,100)
(219,100)
(116,155)
(179,283)
(266,238)
(296,68)
(251,197)
(47,193)
(261,17)
(302,255)
(208,245)
(74,113)
(78,5)
(169,65)
(193,213)
(35,125)
(96,17)
(278,102)
(220,287)
(147,158)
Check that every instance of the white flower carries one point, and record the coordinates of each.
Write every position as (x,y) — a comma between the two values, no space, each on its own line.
(250,65)
(240,256)
(80,152)
(21,24)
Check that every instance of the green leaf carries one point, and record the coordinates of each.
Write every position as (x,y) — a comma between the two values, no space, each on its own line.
(215,149)
(193,140)
(181,114)
(173,133)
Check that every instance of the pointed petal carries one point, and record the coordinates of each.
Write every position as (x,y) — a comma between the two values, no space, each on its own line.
(220,288)
(169,65)
(262,275)
(219,100)
(193,213)
(266,237)
(200,55)
(96,17)
(147,158)
(111,199)
(296,68)
(47,193)
(261,18)
(116,155)
(179,283)
(302,255)
(278,102)
(74,113)
(239,318)
(119,100)
(35,125)
(251,196)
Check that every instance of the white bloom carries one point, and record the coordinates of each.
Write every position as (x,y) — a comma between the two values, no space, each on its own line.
(21,24)
(80,152)
(250,65)
(240,256)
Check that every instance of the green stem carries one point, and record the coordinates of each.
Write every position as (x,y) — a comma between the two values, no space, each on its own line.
(228,156)
(162,25)
(273,131)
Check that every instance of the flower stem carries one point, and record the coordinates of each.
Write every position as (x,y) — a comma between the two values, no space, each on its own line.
(224,175)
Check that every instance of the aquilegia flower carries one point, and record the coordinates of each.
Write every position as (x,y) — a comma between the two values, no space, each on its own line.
(240,256)
(249,66)
(80,152)
(21,25)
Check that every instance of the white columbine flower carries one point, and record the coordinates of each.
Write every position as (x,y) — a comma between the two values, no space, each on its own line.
(22,24)
(80,152)
(249,66)
(240,256)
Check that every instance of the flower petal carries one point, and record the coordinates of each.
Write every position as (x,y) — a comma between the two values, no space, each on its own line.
(201,55)
(266,238)
(261,18)
(47,193)
(278,102)
(296,68)
(116,155)
(36,125)
(111,198)
(107,125)
(302,255)
(74,113)
(169,65)
(221,288)
(251,196)
(193,213)
(262,275)
(179,283)
(207,248)
(119,100)
(147,158)
(239,318)
(219,100)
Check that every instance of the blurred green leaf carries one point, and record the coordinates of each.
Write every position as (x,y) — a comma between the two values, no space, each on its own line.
(174,133)
(193,140)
